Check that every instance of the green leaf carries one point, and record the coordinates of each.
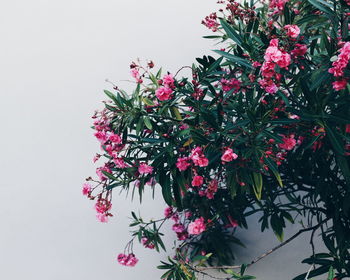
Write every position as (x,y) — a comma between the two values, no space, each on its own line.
(277,226)
(110,176)
(148,122)
(164,181)
(330,273)
(273,167)
(322,6)
(238,60)
(335,140)
(231,33)
(258,184)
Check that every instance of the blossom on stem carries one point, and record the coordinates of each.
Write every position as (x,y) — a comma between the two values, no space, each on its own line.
(86,189)
(127,260)
(197,227)
(197,181)
(145,168)
(288,143)
(198,158)
(182,163)
(292,30)
(339,85)
(228,155)
(164,93)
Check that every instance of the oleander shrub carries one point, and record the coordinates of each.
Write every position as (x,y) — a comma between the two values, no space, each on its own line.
(262,127)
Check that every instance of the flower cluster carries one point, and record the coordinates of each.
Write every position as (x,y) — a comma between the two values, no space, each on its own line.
(164,92)
(339,66)
(259,129)
(273,56)
(127,260)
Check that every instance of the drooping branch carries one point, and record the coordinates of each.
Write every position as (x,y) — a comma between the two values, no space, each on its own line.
(313,229)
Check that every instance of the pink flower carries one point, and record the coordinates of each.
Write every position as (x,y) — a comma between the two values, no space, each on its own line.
(271,88)
(284,60)
(182,163)
(101,136)
(211,22)
(183,126)
(288,143)
(102,206)
(182,235)
(347,128)
(102,217)
(339,85)
(135,74)
(228,155)
(342,61)
(256,64)
(268,85)
(197,181)
(168,80)
(293,31)
(299,50)
(96,157)
(212,189)
(268,69)
(100,170)
(228,85)
(86,189)
(178,228)
(146,243)
(164,93)
(120,163)
(168,212)
(197,227)
(198,157)
(277,5)
(115,138)
(127,260)
(274,54)
(145,169)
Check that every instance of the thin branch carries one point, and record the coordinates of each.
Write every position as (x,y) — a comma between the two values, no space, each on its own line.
(268,252)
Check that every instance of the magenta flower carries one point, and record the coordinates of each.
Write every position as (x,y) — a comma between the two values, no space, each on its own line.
(147,244)
(101,136)
(197,181)
(86,189)
(293,30)
(228,155)
(168,212)
(343,59)
(145,169)
(120,163)
(178,228)
(168,80)
(299,50)
(198,157)
(197,227)
(115,138)
(127,260)
(288,143)
(339,85)
(182,163)
(347,128)
(164,93)
(102,217)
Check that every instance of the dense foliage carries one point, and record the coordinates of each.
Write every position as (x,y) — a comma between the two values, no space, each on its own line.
(262,129)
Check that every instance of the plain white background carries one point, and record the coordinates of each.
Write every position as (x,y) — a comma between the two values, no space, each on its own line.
(54,58)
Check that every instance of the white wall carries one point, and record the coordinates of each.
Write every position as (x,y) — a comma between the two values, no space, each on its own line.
(54,58)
